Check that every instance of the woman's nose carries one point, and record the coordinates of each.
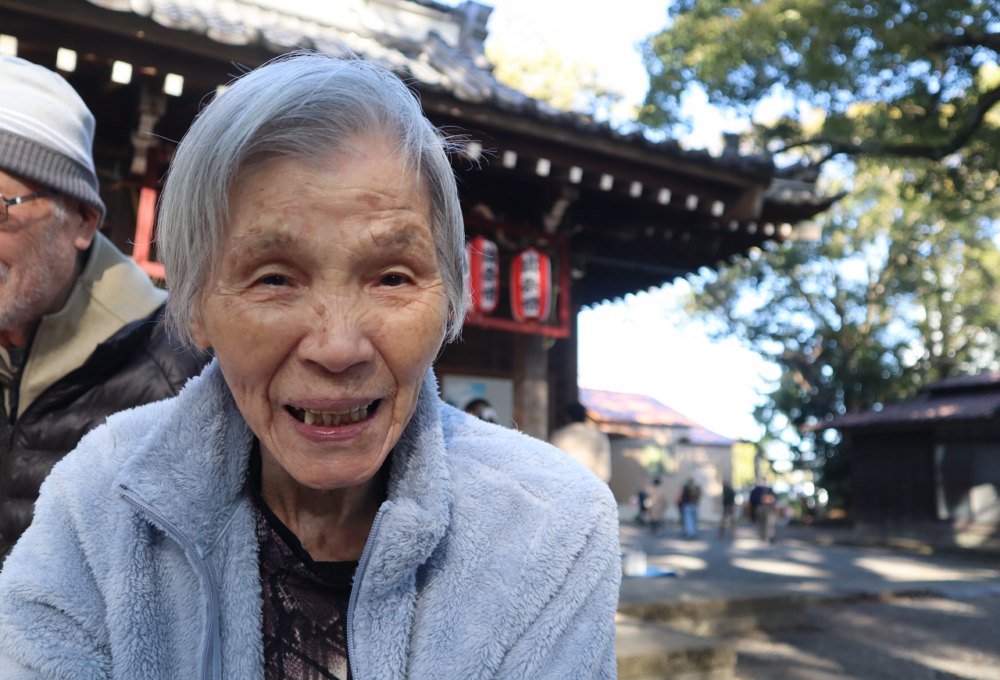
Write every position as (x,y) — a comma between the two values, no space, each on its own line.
(338,340)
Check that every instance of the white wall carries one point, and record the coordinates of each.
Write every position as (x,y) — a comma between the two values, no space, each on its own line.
(708,465)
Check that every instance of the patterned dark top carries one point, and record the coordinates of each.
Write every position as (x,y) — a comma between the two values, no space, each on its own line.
(305,602)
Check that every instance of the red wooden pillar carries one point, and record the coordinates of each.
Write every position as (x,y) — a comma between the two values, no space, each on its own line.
(147,216)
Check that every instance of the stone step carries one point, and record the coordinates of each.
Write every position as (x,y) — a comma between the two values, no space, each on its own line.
(651,651)
(723,616)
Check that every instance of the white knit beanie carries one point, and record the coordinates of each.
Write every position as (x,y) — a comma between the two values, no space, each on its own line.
(46,131)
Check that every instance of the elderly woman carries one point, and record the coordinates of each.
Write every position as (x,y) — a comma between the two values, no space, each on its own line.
(308,507)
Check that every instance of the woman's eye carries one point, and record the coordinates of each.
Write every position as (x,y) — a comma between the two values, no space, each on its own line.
(274,280)
(393,280)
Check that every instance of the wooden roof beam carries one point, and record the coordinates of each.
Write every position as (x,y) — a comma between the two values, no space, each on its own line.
(720,200)
(659,203)
(476,115)
(131,25)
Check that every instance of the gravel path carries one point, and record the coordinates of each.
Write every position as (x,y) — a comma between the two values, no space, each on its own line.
(709,568)
(926,638)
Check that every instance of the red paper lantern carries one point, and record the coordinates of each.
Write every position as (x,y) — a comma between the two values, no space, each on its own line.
(531,285)
(484,274)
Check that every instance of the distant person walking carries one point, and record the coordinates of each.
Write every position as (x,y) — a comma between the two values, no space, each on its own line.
(690,497)
(642,516)
(763,510)
(584,442)
(656,504)
(728,508)
(482,409)
(754,500)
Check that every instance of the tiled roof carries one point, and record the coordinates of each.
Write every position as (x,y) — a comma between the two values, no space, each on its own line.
(795,192)
(449,63)
(967,397)
(977,382)
(949,407)
(699,436)
(620,407)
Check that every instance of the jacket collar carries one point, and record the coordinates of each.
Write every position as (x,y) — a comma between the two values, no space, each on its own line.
(191,469)
(110,293)
(418,511)
(191,465)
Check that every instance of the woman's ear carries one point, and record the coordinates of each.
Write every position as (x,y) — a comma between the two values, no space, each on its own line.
(198,333)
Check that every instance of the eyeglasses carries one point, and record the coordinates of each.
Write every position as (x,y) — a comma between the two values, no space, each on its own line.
(22,199)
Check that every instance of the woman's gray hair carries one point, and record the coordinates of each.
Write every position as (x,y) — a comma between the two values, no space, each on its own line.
(305,106)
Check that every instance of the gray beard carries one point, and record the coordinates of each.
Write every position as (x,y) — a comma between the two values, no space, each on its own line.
(27,289)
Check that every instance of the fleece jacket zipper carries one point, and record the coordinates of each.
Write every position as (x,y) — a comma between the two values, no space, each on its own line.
(356,586)
(211,664)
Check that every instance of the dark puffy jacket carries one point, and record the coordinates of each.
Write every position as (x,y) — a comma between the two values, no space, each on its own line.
(139,364)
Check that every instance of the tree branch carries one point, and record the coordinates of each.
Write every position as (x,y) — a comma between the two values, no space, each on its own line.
(972,120)
(990,41)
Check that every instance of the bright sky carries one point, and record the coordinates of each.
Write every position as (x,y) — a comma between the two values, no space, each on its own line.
(605,35)
(645,344)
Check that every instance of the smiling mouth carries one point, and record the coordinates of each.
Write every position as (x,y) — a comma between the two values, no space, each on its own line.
(334,418)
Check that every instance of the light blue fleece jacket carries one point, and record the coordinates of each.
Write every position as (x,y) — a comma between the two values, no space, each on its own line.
(494,556)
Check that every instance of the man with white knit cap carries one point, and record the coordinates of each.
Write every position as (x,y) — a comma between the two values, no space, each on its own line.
(81,326)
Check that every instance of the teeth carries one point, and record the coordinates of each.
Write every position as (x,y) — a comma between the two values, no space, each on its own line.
(334,418)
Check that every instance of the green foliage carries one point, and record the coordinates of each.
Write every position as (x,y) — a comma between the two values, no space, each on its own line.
(901,290)
(548,77)
(744,468)
(913,79)
(659,460)
(894,295)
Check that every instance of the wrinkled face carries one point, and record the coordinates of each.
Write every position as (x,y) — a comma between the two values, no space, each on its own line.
(327,309)
(37,255)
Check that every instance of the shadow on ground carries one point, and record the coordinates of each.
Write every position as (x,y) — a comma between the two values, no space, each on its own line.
(710,568)
(897,639)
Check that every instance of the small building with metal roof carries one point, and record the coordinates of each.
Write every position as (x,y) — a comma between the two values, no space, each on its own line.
(929,466)
(649,440)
